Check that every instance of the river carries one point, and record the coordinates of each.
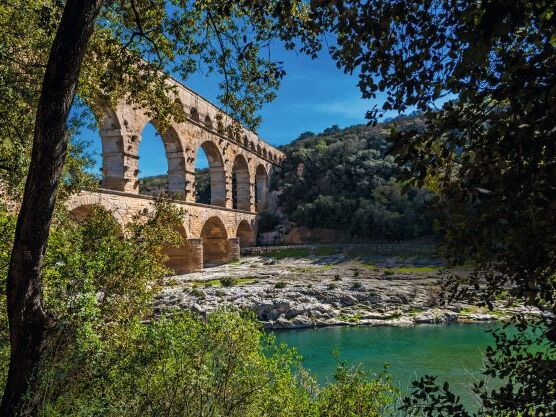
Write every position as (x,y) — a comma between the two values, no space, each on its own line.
(451,352)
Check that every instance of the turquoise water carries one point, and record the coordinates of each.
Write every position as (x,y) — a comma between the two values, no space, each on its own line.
(452,352)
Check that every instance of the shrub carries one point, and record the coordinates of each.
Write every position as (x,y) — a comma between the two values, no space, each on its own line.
(356,285)
(195,292)
(109,357)
(228,281)
(337,277)
(332,286)
(388,272)
(280,284)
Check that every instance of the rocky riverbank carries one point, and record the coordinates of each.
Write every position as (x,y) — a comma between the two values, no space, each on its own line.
(327,290)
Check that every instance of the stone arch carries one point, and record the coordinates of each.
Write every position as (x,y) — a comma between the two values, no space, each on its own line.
(217,173)
(252,146)
(245,141)
(259,149)
(80,206)
(265,154)
(208,121)
(175,158)
(194,114)
(245,234)
(261,187)
(241,195)
(216,247)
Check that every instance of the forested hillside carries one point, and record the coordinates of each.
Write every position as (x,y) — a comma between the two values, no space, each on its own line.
(158,184)
(344,179)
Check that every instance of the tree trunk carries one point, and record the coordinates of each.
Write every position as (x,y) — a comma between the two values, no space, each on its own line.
(28,321)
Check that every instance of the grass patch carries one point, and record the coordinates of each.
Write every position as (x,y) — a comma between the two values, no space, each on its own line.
(354,318)
(326,250)
(388,272)
(367,265)
(209,283)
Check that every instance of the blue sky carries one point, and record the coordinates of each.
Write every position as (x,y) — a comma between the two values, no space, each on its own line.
(314,95)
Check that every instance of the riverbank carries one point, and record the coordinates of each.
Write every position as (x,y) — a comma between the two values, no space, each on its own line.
(290,289)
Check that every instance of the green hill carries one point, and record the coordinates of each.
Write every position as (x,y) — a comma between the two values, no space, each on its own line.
(344,179)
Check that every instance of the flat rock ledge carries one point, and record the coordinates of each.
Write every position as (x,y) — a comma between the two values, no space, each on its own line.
(294,294)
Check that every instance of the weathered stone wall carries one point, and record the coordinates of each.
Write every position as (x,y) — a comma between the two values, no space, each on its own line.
(212,234)
(240,164)
(246,156)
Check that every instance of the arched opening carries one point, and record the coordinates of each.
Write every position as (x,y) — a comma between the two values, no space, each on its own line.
(265,153)
(208,121)
(252,146)
(261,187)
(240,184)
(259,149)
(161,162)
(178,257)
(81,213)
(194,114)
(215,242)
(210,178)
(245,142)
(245,234)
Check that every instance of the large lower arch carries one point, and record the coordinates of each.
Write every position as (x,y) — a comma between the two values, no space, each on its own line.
(216,248)
(245,234)
(241,195)
(217,174)
(261,187)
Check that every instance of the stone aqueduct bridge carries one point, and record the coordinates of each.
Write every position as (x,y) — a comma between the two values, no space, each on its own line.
(240,165)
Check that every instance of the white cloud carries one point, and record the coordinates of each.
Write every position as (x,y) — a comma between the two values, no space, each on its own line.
(353,109)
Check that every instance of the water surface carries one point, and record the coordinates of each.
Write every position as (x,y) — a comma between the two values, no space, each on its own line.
(452,352)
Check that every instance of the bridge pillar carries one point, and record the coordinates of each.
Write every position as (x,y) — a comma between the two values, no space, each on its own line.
(195,253)
(233,249)
(120,161)
(252,197)
(189,186)
(218,187)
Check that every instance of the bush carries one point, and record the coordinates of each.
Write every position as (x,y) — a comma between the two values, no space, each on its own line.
(356,285)
(195,292)
(228,281)
(280,284)
(388,272)
(108,355)
(267,222)
(332,286)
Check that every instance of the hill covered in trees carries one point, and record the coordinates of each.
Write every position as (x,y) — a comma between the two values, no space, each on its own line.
(344,179)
